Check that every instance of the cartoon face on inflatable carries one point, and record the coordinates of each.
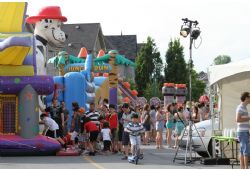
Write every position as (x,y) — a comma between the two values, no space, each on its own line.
(48,23)
(50,30)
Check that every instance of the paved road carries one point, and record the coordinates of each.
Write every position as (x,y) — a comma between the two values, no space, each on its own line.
(154,159)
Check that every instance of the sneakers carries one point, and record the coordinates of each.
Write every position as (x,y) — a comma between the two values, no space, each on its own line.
(124,158)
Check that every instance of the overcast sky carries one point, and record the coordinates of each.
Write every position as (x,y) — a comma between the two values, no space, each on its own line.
(224,23)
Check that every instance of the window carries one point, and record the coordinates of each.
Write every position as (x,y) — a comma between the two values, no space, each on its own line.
(8,114)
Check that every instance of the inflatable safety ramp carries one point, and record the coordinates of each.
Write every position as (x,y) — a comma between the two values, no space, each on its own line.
(70,151)
(14,145)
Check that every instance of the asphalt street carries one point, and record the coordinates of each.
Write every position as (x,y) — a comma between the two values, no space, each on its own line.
(153,159)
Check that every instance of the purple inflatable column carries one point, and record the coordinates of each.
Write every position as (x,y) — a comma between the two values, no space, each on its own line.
(113,78)
(113,96)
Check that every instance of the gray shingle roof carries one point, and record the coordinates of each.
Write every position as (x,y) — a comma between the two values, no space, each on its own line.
(81,35)
(125,44)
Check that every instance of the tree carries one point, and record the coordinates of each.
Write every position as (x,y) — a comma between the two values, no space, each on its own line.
(198,87)
(176,70)
(153,90)
(222,59)
(148,66)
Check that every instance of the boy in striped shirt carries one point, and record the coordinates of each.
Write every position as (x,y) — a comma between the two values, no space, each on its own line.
(135,129)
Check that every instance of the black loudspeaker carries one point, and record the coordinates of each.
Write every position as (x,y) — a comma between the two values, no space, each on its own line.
(209,161)
(223,161)
(215,161)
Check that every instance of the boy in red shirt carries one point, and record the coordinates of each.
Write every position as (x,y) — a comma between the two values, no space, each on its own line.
(93,131)
(113,124)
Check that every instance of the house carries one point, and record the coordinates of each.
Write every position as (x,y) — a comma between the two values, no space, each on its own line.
(202,76)
(80,35)
(125,44)
(87,35)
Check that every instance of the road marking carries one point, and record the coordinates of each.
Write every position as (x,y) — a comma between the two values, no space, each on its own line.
(93,162)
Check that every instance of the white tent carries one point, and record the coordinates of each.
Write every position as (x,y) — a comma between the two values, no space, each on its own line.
(231,80)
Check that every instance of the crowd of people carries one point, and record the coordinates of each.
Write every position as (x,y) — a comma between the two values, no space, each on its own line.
(108,129)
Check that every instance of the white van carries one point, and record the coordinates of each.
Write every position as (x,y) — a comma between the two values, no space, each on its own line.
(204,128)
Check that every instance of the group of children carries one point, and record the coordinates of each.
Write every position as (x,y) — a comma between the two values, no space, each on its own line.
(113,130)
(89,129)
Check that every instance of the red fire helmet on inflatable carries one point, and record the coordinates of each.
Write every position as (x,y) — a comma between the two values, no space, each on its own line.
(49,12)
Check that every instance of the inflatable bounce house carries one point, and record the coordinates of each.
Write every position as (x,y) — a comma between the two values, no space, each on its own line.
(99,79)
(77,85)
(20,86)
(23,79)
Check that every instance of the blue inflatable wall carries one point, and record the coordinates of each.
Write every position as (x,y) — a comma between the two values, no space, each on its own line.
(74,91)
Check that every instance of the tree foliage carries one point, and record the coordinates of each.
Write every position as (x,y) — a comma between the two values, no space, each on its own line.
(175,70)
(222,59)
(148,65)
(198,87)
(153,90)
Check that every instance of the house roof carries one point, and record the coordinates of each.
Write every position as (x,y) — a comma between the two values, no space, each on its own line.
(203,76)
(82,35)
(125,44)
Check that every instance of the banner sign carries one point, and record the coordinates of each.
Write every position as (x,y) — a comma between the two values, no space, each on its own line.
(77,67)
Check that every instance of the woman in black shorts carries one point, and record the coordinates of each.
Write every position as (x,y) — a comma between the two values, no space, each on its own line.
(146,123)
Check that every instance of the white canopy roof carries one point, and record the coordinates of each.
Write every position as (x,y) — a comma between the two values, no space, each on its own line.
(218,72)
